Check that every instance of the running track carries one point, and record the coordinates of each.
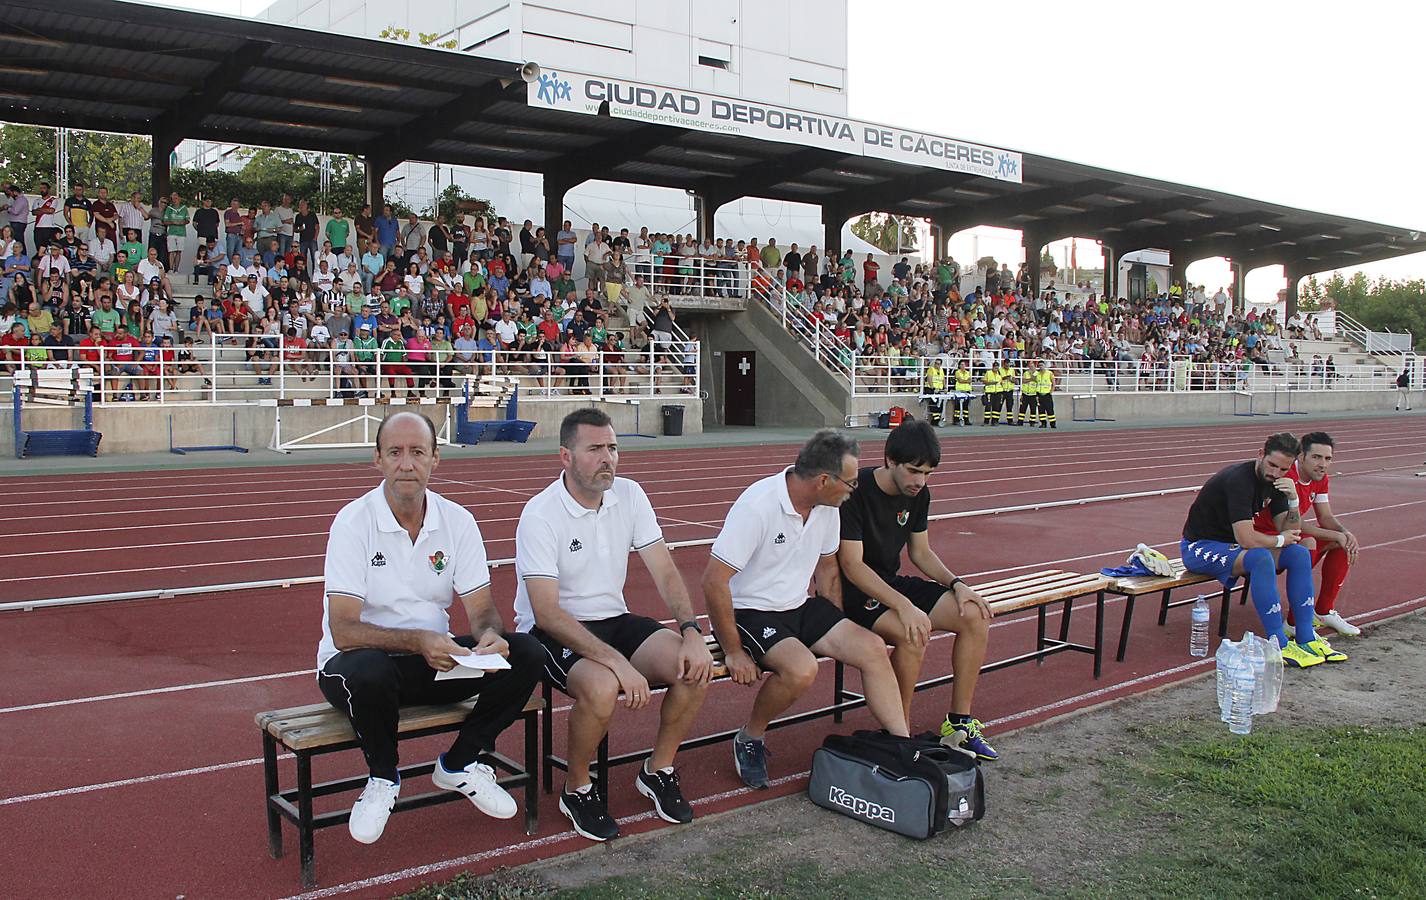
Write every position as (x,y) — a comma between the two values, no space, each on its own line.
(126,728)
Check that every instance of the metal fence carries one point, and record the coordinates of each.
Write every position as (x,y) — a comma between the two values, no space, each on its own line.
(231,372)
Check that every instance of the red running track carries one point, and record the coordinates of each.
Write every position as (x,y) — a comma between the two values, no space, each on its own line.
(157,789)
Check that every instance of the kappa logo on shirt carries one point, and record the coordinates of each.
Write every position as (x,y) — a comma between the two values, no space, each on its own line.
(378,560)
(780,539)
(769,631)
(575,546)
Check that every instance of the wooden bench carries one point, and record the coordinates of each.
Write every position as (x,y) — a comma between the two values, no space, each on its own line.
(309,731)
(603,761)
(1038,591)
(1135,586)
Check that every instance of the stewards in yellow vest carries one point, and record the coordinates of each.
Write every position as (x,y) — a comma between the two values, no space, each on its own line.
(1045,382)
(1007,393)
(1029,387)
(990,395)
(935,392)
(965,389)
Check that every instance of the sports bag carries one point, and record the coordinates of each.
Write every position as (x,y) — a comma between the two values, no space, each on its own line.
(912,786)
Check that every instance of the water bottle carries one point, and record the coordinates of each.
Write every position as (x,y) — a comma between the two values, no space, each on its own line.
(1226,659)
(1255,654)
(1271,676)
(1240,716)
(1198,636)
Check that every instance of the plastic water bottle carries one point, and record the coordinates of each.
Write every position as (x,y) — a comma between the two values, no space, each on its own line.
(1240,716)
(1198,636)
(1226,659)
(1269,676)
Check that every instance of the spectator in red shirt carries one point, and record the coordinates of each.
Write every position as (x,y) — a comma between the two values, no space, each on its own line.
(122,350)
(90,349)
(14,343)
(870,268)
(294,355)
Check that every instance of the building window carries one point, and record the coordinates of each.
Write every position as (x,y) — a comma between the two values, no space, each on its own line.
(713,62)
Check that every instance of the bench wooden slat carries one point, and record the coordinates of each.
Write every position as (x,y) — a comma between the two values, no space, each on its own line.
(318,725)
(1017,579)
(1148,584)
(1047,583)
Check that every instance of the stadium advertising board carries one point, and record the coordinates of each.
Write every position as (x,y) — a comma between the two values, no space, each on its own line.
(579,93)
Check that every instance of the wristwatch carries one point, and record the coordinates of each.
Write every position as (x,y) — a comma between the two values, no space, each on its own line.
(691,623)
(952,586)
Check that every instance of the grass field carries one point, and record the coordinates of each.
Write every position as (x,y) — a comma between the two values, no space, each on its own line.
(1286,811)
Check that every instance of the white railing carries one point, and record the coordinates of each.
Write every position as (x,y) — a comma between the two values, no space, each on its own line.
(874,375)
(693,276)
(1382,343)
(224,371)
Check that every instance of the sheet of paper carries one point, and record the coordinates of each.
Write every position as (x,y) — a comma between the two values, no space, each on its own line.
(474,666)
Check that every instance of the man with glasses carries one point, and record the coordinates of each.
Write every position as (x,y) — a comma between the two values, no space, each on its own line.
(781,534)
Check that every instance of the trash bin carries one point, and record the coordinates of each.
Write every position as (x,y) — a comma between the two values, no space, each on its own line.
(672,420)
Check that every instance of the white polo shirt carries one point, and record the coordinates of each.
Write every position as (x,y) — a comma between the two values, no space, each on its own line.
(401,584)
(586,550)
(772,549)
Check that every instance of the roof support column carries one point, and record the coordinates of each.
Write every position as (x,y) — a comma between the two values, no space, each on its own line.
(160,155)
(705,210)
(1111,272)
(1240,277)
(833,218)
(555,189)
(1293,277)
(1033,244)
(1178,269)
(377,166)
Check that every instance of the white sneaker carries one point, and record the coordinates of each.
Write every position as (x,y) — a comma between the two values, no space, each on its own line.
(1338,624)
(477,782)
(372,809)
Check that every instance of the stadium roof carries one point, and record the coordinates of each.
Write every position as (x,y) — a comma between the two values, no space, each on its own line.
(126,67)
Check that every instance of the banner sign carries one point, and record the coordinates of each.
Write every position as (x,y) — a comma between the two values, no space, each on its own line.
(585,94)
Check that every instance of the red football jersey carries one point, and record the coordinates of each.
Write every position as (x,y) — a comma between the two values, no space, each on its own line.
(1308,495)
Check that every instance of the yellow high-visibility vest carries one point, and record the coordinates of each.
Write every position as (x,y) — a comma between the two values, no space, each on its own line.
(964,382)
(1007,380)
(1029,383)
(1046,380)
(991,379)
(936,379)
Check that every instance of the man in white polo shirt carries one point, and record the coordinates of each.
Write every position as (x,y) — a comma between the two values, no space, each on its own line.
(395,558)
(571,558)
(783,532)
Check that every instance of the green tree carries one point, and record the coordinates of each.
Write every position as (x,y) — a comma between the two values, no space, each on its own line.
(453,199)
(267,174)
(119,162)
(424,38)
(887,233)
(1381,305)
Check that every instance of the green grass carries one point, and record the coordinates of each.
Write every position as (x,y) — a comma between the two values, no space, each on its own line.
(1224,817)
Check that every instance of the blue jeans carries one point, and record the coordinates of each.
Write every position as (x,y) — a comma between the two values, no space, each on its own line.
(284,244)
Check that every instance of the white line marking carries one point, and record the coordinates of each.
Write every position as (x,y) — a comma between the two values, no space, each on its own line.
(172,689)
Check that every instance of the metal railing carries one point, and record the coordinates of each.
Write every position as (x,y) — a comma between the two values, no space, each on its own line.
(874,375)
(228,372)
(813,334)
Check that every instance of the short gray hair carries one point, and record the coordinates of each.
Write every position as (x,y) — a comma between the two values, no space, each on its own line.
(823,454)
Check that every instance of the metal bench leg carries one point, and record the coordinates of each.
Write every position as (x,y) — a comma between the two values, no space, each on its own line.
(547,739)
(1223,613)
(304,820)
(532,773)
(1124,629)
(1098,633)
(1039,633)
(601,764)
(1065,620)
(839,675)
(270,786)
(1164,607)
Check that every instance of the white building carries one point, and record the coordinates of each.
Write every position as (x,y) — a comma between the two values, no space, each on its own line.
(789,52)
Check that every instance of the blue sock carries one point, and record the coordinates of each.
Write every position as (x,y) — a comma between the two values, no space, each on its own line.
(1297,562)
(1258,563)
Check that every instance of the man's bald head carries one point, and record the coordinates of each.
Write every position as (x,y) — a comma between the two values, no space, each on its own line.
(405,413)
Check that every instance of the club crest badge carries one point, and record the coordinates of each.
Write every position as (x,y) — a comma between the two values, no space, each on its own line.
(438,561)
(903,517)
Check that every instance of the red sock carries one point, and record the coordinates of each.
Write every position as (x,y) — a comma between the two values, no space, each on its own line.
(1334,572)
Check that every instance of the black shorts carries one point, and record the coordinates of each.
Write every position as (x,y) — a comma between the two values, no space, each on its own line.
(863,610)
(625,634)
(809,623)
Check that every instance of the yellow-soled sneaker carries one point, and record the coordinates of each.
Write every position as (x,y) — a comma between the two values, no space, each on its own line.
(1296,656)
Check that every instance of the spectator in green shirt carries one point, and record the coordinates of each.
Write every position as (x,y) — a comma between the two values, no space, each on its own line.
(338,228)
(175,225)
(105,317)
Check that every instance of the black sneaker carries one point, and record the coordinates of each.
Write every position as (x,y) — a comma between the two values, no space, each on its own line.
(662,788)
(750,758)
(589,814)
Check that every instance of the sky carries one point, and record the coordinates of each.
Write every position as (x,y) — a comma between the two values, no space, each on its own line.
(1308,103)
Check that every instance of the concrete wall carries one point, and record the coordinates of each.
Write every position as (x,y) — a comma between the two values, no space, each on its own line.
(144,428)
(793,389)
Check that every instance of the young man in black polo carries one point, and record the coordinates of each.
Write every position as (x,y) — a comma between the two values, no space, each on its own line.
(888,512)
